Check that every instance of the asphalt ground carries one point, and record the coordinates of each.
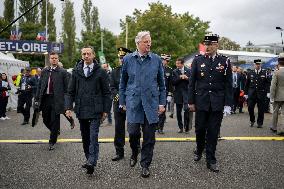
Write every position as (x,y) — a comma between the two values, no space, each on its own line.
(246,163)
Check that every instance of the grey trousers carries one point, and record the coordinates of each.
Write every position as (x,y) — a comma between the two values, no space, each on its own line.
(278,121)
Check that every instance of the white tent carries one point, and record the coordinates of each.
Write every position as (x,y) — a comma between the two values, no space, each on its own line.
(11,66)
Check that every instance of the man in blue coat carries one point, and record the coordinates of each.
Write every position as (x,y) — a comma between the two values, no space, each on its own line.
(143,95)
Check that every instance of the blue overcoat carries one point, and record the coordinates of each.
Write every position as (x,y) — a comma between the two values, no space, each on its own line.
(142,87)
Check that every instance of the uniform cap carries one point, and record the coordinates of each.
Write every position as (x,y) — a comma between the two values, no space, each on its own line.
(257,61)
(209,38)
(166,57)
(122,51)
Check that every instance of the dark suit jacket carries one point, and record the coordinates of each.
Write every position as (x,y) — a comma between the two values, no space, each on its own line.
(60,84)
(180,86)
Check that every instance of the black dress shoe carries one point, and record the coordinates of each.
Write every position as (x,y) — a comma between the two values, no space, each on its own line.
(251,124)
(259,126)
(273,130)
(51,147)
(85,166)
(117,158)
(25,123)
(171,115)
(133,161)
(213,167)
(145,173)
(160,131)
(180,131)
(90,169)
(197,157)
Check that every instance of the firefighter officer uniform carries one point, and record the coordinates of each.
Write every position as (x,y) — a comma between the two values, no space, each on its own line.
(256,89)
(210,95)
(119,113)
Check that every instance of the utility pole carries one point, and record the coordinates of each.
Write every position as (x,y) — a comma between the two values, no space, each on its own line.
(102,41)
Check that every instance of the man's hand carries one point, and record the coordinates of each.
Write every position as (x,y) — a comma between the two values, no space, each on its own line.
(161,109)
(268,95)
(191,107)
(68,113)
(227,110)
(104,115)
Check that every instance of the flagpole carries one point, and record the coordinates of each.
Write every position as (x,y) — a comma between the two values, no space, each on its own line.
(46,24)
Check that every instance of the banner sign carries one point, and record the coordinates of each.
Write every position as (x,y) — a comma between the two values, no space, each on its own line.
(102,57)
(30,46)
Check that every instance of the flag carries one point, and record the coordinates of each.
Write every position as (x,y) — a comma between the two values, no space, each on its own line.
(41,36)
(202,48)
(15,35)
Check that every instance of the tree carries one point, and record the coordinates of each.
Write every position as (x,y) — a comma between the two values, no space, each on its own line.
(69,34)
(95,19)
(86,14)
(31,16)
(50,19)
(227,44)
(9,10)
(176,34)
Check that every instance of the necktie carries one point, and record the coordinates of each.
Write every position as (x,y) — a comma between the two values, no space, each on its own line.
(50,83)
(88,71)
(235,80)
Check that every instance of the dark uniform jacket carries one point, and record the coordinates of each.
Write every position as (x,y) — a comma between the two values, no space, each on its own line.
(60,84)
(114,87)
(91,94)
(29,81)
(168,80)
(180,86)
(210,83)
(257,85)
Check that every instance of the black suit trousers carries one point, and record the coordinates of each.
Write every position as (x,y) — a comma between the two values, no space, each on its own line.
(134,130)
(252,101)
(50,118)
(119,137)
(207,127)
(182,125)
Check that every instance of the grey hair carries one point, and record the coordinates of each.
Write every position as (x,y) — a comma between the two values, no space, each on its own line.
(140,35)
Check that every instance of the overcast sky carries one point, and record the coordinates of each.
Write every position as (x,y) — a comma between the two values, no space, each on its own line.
(239,20)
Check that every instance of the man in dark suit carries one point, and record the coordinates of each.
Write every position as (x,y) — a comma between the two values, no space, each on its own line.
(210,94)
(119,113)
(236,88)
(256,89)
(50,96)
(180,81)
(242,87)
(89,89)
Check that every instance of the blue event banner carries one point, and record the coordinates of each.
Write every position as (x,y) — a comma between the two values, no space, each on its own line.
(30,46)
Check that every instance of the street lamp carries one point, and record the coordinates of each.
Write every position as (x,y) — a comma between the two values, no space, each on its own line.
(279,28)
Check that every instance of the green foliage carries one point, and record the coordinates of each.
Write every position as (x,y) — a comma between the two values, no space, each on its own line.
(227,44)
(30,30)
(6,33)
(91,36)
(32,16)
(68,35)
(9,10)
(50,19)
(86,14)
(175,34)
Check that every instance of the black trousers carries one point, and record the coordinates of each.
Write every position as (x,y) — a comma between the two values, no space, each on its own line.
(119,137)
(183,125)
(134,130)
(236,95)
(252,101)
(90,132)
(50,118)
(3,106)
(207,127)
(162,119)
(24,104)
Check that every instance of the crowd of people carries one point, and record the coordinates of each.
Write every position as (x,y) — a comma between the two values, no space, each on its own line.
(140,90)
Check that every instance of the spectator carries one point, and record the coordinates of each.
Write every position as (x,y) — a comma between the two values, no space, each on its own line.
(4,95)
